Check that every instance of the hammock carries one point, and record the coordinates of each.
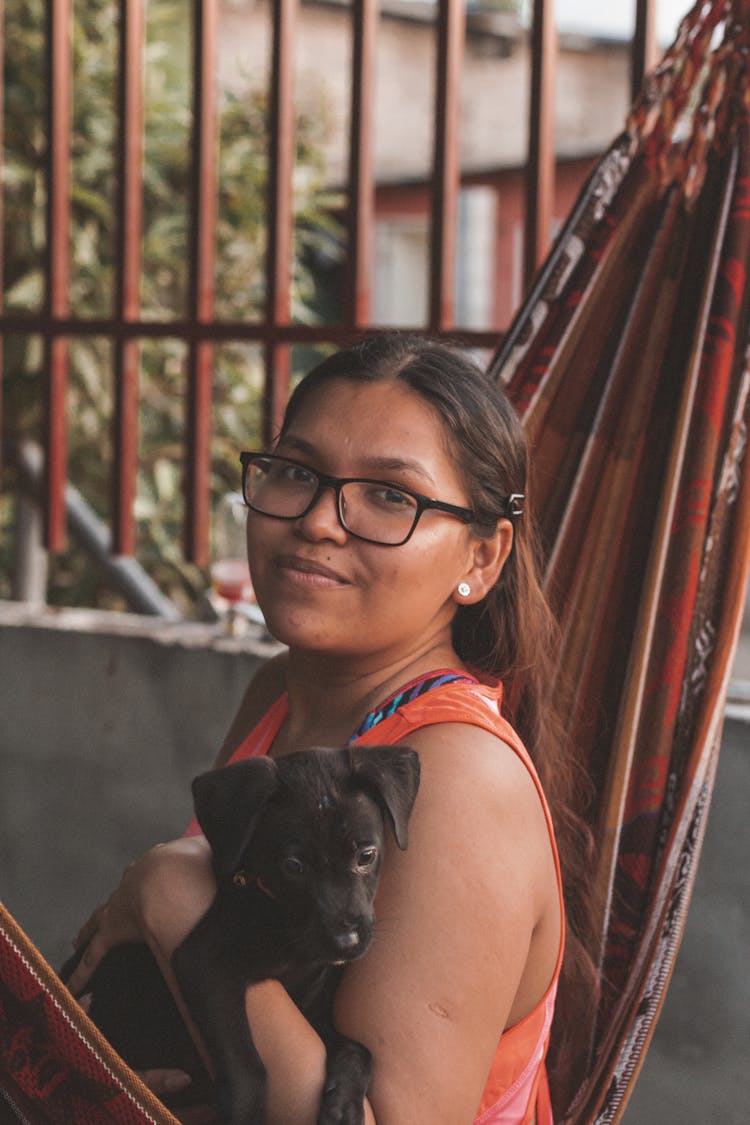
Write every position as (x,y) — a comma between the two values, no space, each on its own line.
(55,1067)
(629,365)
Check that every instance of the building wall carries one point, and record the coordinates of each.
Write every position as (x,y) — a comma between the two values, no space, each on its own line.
(489,250)
(591,100)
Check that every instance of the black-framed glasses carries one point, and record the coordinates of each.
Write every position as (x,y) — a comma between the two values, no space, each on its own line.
(373,510)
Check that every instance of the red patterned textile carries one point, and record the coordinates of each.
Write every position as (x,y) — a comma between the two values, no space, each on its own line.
(629,365)
(55,1067)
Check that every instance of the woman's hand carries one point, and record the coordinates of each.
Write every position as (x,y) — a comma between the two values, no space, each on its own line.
(117,921)
(158,900)
(162,1083)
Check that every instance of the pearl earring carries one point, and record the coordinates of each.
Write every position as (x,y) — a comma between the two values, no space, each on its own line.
(464,589)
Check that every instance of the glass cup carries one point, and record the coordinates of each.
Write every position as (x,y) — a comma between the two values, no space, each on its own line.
(230,574)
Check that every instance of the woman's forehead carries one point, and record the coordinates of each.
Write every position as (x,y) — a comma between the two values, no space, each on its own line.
(378,422)
(357,405)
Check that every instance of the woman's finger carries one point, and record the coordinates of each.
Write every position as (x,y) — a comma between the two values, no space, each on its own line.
(88,929)
(117,925)
(89,960)
(165,1080)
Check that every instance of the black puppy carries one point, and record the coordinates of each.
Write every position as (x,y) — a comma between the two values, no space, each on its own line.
(297,846)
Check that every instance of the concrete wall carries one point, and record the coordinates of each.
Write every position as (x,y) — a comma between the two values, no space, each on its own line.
(695,1071)
(104,720)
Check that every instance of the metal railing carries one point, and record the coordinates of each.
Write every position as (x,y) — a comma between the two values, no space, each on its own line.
(275,332)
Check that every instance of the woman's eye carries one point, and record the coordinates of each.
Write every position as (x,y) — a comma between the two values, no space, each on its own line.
(366,857)
(292,866)
(295,474)
(391,497)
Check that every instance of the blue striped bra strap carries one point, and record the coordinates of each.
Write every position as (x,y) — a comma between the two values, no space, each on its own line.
(406,694)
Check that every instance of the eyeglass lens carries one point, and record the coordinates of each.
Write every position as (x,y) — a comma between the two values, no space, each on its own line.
(372,510)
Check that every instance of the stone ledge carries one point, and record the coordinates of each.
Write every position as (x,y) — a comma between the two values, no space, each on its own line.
(188,634)
(253,639)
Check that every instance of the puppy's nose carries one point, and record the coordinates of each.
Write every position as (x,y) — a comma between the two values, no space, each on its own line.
(346,941)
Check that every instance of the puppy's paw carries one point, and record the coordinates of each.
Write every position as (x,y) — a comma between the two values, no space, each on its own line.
(347,1079)
(337,1107)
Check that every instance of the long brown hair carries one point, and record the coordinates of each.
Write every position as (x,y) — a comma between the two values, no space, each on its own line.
(512,634)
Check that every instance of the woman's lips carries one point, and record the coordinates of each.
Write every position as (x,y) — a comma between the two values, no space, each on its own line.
(308,571)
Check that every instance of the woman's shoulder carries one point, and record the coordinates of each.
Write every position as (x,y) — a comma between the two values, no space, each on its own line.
(481,799)
(476,764)
(266,685)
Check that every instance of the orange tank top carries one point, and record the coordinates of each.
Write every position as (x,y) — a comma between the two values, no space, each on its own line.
(516,1091)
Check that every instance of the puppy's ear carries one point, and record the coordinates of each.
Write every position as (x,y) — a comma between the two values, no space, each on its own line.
(227,802)
(391,773)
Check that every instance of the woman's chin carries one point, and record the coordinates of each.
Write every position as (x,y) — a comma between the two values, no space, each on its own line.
(303,635)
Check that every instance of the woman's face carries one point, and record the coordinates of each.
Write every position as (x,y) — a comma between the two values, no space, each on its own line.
(324,591)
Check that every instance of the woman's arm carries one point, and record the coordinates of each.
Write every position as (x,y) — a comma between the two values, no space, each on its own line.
(467,931)
(159,899)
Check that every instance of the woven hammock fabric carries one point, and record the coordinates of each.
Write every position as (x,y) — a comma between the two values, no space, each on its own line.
(55,1066)
(629,365)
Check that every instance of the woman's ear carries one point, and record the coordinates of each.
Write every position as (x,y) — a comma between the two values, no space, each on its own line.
(489,556)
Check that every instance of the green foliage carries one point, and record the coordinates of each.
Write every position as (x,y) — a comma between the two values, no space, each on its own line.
(240,272)
(510,7)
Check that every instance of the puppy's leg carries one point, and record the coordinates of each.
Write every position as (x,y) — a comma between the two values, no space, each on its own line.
(348,1073)
(212,979)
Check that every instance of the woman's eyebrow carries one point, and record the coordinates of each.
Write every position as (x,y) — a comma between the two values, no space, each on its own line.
(397,465)
(369,464)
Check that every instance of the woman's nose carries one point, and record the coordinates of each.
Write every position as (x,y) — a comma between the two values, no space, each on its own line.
(322,521)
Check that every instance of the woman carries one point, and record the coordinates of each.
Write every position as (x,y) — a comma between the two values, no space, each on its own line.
(387,543)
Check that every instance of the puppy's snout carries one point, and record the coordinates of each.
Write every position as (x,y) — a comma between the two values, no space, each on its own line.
(351,941)
(347,942)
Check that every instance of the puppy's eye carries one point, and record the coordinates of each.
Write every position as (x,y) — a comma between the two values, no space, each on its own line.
(366,857)
(292,866)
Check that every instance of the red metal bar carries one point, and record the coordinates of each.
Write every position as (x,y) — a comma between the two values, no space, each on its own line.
(644,50)
(130,156)
(451,23)
(2,219)
(59,55)
(540,186)
(361,210)
(126,359)
(221,331)
(281,127)
(202,279)
(198,453)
